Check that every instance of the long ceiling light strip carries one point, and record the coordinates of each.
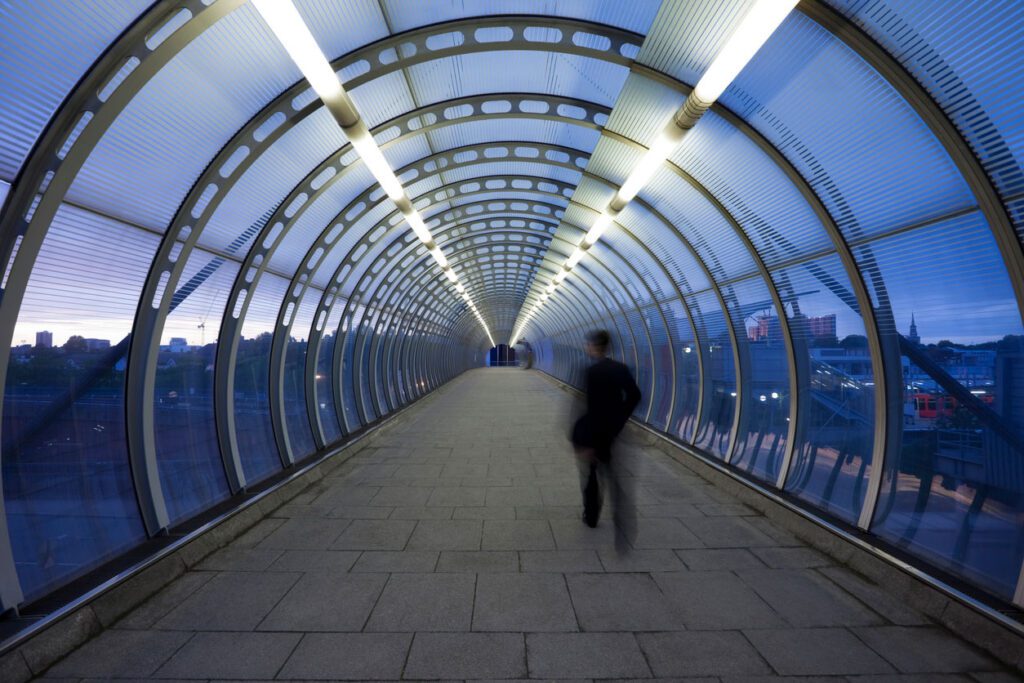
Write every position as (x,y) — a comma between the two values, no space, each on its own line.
(753,31)
(293,33)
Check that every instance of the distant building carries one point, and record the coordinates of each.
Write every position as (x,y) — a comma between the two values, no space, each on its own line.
(913,331)
(178,345)
(97,344)
(823,326)
(44,340)
(767,329)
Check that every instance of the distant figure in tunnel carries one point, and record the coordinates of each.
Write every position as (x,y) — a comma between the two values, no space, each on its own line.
(526,354)
(611,397)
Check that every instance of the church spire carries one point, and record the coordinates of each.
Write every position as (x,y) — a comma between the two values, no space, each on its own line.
(913,331)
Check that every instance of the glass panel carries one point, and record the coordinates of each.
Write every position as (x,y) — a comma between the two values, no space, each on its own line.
(954,493)
(256,445)
(348,396)
(68,488)
(719,374)
(661,397)
(761,440)
(832,459)
(188,453)
(970,63)
(797,90)
(687,370)
(160,143)
(41,71)
(325,377)
(295,415)
(752,187)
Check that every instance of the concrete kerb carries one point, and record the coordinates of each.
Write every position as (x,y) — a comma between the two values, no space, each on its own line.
(960,618)
(89,616)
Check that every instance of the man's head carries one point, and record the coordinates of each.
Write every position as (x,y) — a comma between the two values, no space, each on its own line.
(597,344)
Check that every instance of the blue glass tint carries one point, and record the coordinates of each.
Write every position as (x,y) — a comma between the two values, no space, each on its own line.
(687,388)
(797,90)
(761,440)
(954,492)
(346,338)
(663,361)
(187,450)
(256,445)
(971,68)
(753,189)
(832,459)
(720,392)
(296,417)
(325,379)
(41,72)
(68,489)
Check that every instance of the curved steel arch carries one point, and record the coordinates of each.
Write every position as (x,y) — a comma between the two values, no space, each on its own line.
(884,353)
(381,308)
(1016,281)
(330,298)
(44,179)
(21,213)
(713,285)
(303,278)
(424,274)
(257,259)
(418,253)
(384,281)
(449,159)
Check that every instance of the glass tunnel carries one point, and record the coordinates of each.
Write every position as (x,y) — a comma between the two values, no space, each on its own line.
(220,261)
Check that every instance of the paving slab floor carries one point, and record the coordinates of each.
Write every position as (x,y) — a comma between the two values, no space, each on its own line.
(453,549)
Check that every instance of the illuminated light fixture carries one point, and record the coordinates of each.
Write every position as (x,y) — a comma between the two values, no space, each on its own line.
(562,274)
(291,30)
(598,228)
(649,163)
(288,26)
(551,288)
(412,217)
(754,30)
(459,288)
(364,144)
(439,257)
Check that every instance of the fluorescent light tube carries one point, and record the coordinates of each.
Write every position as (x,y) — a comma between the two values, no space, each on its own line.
(753,31)
(450,274)
(551,288)
(459,288)
(598,228)
(418,226)
(439,257)
(284,20)
(370,153)
(562,274)
(649,163)
(574,258)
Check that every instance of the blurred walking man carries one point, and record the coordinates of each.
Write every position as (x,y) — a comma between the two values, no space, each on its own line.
(611,397)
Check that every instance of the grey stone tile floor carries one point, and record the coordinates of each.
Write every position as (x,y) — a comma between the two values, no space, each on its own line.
(452,549)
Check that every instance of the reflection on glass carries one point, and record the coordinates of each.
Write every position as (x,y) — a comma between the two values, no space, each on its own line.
(761,439)
(719,374)
(187,450)
(832,458)
(954,494)
(68,489)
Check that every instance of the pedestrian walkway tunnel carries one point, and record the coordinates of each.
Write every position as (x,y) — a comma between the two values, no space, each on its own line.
(237,235)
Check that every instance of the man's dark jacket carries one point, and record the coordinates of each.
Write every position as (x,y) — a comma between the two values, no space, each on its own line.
(612,395)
